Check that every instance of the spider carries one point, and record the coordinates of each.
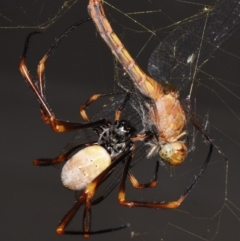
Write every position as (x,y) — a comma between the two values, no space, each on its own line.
(95,162)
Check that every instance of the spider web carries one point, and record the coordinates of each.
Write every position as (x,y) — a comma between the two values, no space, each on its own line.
(212,210)
(213,96)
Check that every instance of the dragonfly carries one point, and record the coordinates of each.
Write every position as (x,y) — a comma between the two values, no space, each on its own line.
(173,66)
(123,118)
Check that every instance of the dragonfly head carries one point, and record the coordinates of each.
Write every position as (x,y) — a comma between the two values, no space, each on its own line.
(174,153)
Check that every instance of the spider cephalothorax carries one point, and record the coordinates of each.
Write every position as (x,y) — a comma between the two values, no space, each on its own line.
(115,138)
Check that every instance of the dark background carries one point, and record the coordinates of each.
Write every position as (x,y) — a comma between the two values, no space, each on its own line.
(33,200)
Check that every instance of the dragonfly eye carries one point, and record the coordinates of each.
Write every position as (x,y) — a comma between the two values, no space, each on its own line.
(173,153)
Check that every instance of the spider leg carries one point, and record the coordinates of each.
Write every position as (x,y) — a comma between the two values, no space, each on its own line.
(41,65)
(86,198)
(46,112)
(136,138)
(142,136)
(196,123)
(138,185)
(58,159)
(163,204)
(120,108)
(90,101)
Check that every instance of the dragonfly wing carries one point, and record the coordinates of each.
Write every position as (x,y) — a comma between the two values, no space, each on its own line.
(192,43)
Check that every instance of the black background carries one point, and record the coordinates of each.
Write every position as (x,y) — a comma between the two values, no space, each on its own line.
(33,200)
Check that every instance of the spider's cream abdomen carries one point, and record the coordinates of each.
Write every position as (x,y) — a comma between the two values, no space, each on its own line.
(84,166)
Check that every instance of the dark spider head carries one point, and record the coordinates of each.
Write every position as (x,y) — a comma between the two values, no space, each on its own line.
(116,137)
(123,128)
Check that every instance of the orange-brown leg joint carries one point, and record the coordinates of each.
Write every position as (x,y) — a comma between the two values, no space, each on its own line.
(83,107)
(165,205)
(138,185)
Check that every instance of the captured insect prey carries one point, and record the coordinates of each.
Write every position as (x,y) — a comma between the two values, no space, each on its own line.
(145,117)
(173,66)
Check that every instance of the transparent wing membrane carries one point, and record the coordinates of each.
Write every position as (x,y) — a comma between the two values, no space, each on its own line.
(180,55)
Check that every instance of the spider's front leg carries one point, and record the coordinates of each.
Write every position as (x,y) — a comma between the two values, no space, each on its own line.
(46,112)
